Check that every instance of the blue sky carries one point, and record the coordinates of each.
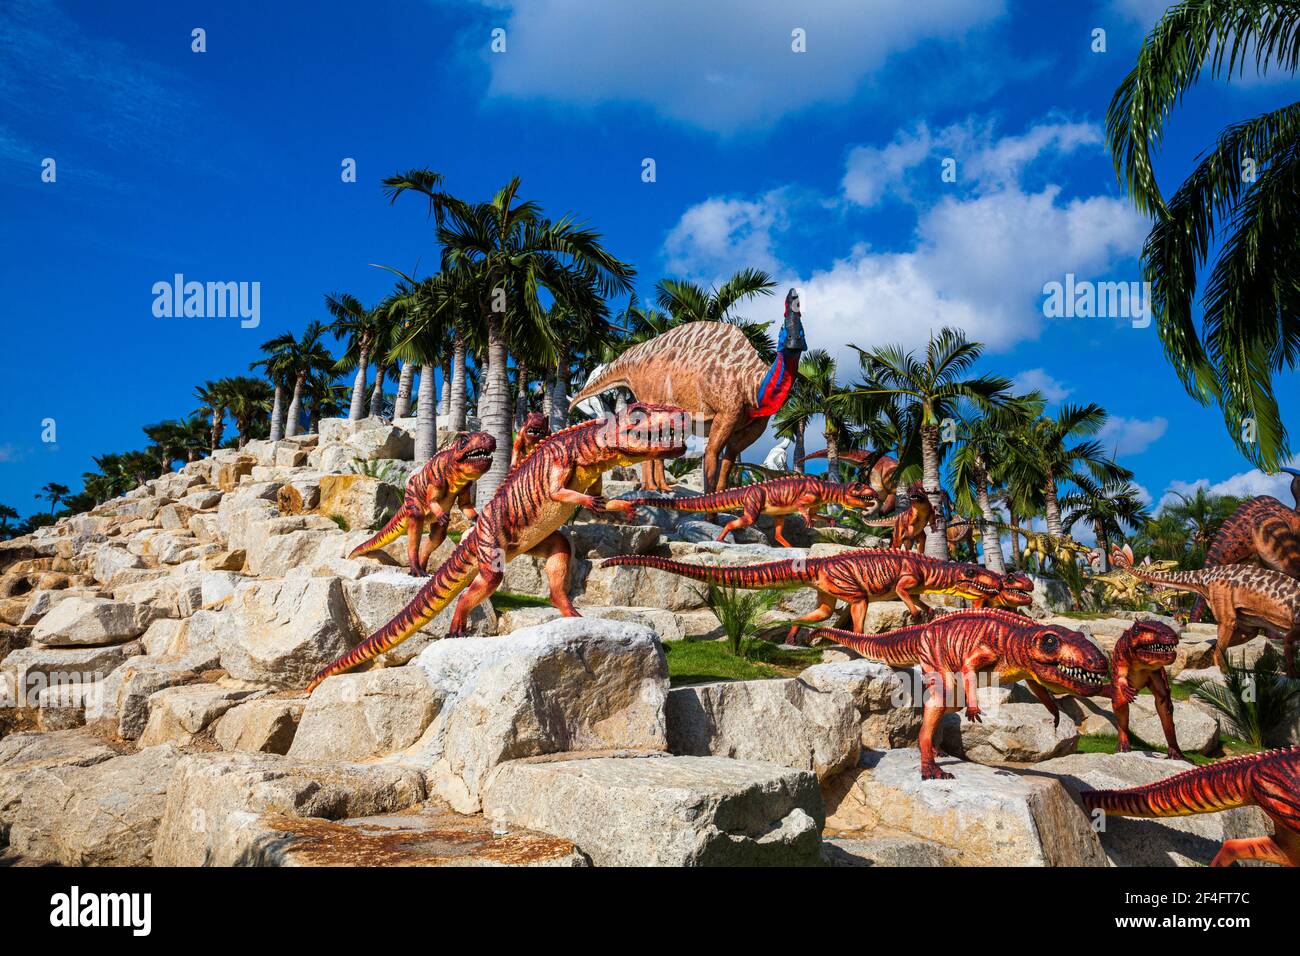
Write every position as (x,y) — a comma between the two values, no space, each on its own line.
(822,167)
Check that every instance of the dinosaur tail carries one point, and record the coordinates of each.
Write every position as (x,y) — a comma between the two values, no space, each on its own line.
(753,577)
(898,648)
(389,533)
(1198,611)
(1180,580)
(879,522)
(454,576)
(705,504)
(612,377)
(1218,786)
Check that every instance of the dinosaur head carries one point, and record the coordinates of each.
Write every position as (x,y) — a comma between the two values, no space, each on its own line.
(977,583)
(472,454)
(1064,661)
(533,430)
(792,303)
(859,494)
(1295,484)
(1017,591)
(1150,642)
(643,431)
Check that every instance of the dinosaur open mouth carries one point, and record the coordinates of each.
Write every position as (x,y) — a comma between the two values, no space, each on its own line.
(1082,675)
(478,454)
(1158,648)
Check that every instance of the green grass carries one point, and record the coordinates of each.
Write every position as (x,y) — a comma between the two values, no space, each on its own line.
(510,601)
(1103,744)
(696,662)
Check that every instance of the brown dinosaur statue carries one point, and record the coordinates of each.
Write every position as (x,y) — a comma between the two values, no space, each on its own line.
(1262,530)
(909,524)
(711,370)
(880,470)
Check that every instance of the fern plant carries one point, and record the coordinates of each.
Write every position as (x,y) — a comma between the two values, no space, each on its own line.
(741,614)
(383,470)
(1258,703)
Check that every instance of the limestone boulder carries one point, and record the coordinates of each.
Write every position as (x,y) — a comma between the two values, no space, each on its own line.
(787,722)
(1197,731)
(213,794)
(126,691)
(375,599)
(362,502)
(263,725)
(93,622)
(666,624)
(356,717)
(658,810)
(887,700)
(41,601)
(178,714)
(28,754)
(983,817)
(1009,733)
(886,851)
(571,684)
(104,814)
(29,670)
(385,441)
(283,632)
(601,539)
(109,563)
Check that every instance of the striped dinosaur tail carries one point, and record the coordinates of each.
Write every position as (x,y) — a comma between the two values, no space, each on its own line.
(454,576)
(389,533)
(753,577)
(898,648)
(1218,786)
(701,504)
(879,522)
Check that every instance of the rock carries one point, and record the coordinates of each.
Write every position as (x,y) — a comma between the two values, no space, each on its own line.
(385,441)
(1167,841)
(225,561)
(985,817)
(265,725)
(110,562)
(571,684)
(277,545)
(786,722)
(41,601)
(126,691)
(599,539)
(1009,733)
(433,836)
(26,672)
(93,622)
(213,793)
(624,586)
(283,632)
(1196,730)
(884,699)
(105,814)
(700,532)
(652,810)
(664,623)
(886,851)
(356,717)
(363,503)
(377,598)
(178,714)
(24,755)
(230,472)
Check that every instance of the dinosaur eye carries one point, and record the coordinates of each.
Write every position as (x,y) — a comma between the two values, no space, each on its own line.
(1050,642)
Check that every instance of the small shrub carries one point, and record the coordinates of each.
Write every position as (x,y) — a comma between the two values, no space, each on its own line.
(1257,703)
(341,521)
(740,613)
(383,470)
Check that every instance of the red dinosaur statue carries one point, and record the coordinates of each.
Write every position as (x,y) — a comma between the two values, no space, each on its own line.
(525,516)
(430,495)
(711,370)
(1139,660)
(964,644)
(535,427)
(778,497)
(880,472)
(1243,597)
(857,578)
(1269,780)
(1262,530)
(910,524)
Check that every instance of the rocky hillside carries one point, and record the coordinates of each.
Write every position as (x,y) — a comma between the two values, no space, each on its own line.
(153,652)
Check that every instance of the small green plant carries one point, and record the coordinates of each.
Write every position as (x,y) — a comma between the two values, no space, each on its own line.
(681,467)
(383,470)
(1258,703)
(341,521)
(1072,576)
(741,614)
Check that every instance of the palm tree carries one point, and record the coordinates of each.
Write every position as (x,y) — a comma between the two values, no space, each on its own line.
(279,367)
(688,302)
(820,394)
(53,492)
(354,322)
(215,401)
(1239,200)
(1203,513)
(1106,506)
(245,397)
(921,394)
(307,356)
(172,441)
(981,464)
(6,513)
(515,252)
(1163,537)
(1049,455)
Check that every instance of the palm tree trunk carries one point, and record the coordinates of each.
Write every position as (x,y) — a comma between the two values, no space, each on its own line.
(358,407)
(936,536)
(218,427)
(459,384)
(1103,545)
(426,422)
(832,454)
(277,413)
(800,464)
(1053,507)
(521,392)
(402,407)
(559,413)
(295,407)
(548,396)
(990,540)
(494,410)
(1015,535)
(377,395)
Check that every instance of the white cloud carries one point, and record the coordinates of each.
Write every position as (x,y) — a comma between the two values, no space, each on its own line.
(714,235)
(1131,436)
(721,65)
(1244,484)
(1038,380)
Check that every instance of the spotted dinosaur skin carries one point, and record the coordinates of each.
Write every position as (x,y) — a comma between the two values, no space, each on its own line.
(910,524)
(1243,597)
(524,517)
(779,497)
(1139,660)
(535,427)
(880,474)
(1262,530)
(857,578)
(964,644)
(1269,780)
(430,495)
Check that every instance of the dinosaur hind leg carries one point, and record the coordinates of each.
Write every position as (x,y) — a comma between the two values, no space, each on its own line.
(747,517)
(1264,848)
(483,587)
(824,609)
(558,553)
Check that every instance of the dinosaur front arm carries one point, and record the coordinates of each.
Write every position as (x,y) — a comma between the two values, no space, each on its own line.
(465,501)
(1047,700)
(980,657)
